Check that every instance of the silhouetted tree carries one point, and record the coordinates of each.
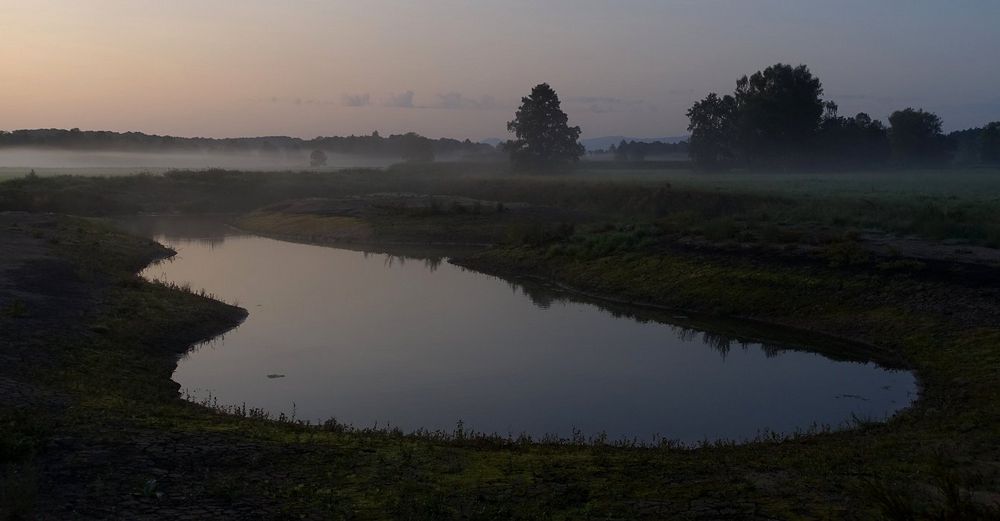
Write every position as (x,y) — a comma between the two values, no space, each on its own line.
(852,141)
(712,127)
(641,150)
(967,145)
(778,114)
(777,118)
(371,145)
(620,151)
(543,136)
(416,148)
(916,138)
(630,151)
(989,143)
(317,158)
(267,148)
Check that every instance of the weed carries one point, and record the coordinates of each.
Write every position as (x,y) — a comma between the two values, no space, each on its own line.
(845,253)
(943,498)
(16,308)
(902,265)
(18,491)
(151,489)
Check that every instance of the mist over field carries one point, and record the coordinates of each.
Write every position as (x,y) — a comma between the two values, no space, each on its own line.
(496,260)
(49,161)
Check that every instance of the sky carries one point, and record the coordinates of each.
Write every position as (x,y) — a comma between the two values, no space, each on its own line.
(459,68)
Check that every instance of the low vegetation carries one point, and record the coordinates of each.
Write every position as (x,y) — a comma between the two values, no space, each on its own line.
(777,119)
(730,252)
(939,205)
(408,146)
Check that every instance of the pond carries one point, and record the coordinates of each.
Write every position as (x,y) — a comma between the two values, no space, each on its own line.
(414,342)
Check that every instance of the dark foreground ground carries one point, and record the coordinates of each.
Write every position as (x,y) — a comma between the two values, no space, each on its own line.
(91,427)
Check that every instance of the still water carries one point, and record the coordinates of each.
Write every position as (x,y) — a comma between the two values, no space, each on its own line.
(417,343)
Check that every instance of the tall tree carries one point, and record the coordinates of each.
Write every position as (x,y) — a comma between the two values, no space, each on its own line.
(779,113)
(543,135)
(851,141)
(712,129)
(989,143)
(916,138)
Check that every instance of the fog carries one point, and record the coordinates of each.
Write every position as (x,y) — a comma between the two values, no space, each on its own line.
(82,161)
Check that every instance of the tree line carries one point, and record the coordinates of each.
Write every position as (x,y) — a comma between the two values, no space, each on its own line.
(409,146)
(640,150)
(774,119)
(777,119)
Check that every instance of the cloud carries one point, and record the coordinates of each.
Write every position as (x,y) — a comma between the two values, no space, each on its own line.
(406,100)
(355,100)
(595,99)
(451,100)
(456,100)
(403,100)
(296,100)
(602,104)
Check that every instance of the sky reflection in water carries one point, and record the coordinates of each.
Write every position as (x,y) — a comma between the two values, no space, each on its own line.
(420,343)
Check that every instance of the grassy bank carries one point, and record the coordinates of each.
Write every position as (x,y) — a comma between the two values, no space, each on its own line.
(125,442)
(389,219)
(87,347)
(104,434)
(947,332)
(956,204)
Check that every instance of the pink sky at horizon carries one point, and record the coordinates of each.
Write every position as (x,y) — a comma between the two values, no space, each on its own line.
(458,69)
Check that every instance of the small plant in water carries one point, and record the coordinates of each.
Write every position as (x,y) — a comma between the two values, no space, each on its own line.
(150,489)
(16,309)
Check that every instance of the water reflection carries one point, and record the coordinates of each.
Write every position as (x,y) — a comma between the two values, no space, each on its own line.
(431,260)
(400,337)
(201,230)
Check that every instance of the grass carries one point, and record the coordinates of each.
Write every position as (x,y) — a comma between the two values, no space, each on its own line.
(121,377)
(956,204)
(10,172)
(314,227)
(18,491)
(867,307)
(118,375)
(398,219)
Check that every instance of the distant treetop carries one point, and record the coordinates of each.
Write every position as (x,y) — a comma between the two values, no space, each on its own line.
(543,137)
(399,146)
(777,119)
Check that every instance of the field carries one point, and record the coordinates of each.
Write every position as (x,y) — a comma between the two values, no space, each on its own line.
(18,162)
(823,253)
(954,205)
(15,172)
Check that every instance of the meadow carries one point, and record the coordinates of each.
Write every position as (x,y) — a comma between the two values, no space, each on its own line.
(779,249)
(955,204)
